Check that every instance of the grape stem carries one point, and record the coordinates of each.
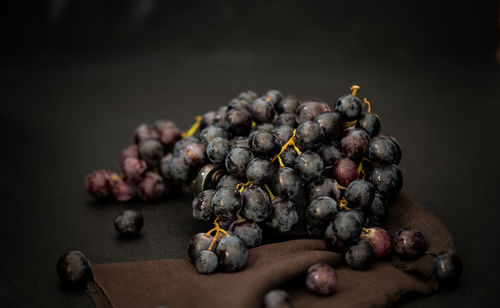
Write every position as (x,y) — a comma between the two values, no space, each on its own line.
(242,186)
(290,142)
(193,128)
(343,204)
(366,102)
(354,89)
(269,192)
(218,231)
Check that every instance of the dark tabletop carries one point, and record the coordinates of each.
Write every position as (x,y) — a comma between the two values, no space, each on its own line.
(68,109)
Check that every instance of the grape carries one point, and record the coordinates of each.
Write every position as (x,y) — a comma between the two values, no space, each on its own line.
(248,95)
(99,184)
(383,151)
(178,168)
(348,225)
(345,171)
(359,194)
(349,107)
(267,127)
(211,132)
(164,167)
(274,95)
(277,299)
(195,154)
(237,160)
(286,183)
(238,103)
(262,110)
(151,188)
(130,151)
(259,171)
(180,146)
(360,256)
(321,279)
(226,202)
(256,204)
(377,212)
(240,142)
(73,269)
(151,151)
(264,144)
(332,241)
(309,135)
(309,166)
(370,122)
(332,124)
(129,223)
(228,181)
(388,180)
(217,150)
(286,119)
(220,117)
(284,133)
(168,134)
(284,215)
(329,153)
(202,205)
(288,157)
(197,244)
(287,104)
(133,169)
(355,143)
(249,232)
(398,147)
(123,191)
(324,187)
(447,266)
(320,213)
(206,262)
(207,119)
(380,240)
(145,132)
(239,121)
(310,109)
(409,243)
(232,253)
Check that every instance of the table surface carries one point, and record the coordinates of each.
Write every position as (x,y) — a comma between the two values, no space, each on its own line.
(67,113)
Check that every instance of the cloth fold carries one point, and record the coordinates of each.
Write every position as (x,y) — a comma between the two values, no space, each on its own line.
(176,283)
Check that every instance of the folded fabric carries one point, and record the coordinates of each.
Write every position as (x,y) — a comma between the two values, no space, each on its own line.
(176,283)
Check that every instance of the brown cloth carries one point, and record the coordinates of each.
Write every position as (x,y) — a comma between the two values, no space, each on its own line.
(176,283)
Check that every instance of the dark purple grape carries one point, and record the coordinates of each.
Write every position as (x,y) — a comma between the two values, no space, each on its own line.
(288,157)
(370,122)
(240,142)
(345,171)
(260,171)
(409,243)
(151,188)
(249,232)
(218,149)
(207,119)
(232,253)
(309,135)
(226,202)
(324,187)
(320,212)
(330,153)
(133,169)
(447,266)
(321,279)
(99,184)
(287,104)
(383,151)
(145,132)
(130,151)
(211,132)
(123,191)
(180,146)
(151,151)
(264,144)
(309,166)
(359,194)
(195,154)
(380,240)
(398,147)
(378,211)
(348,225)
(129,223)
(202,205)
(237,160)
(164,167)
(284,133)
(349,107)
(388,180)
(228,181)
(284,215)
(274,96)
(238,103)
(239,121)
(267,127)
(168,134)
(286,119)
(332,124)
(332,241)
(220,117)
(178,168)
(310,109)
(355,143)
(262,110)
(256,204)
(197,244)
(360,256)
(277,299)
(248,95)
(206,262)
(286,183)
(73,269)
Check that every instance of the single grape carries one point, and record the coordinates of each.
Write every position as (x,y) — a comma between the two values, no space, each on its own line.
(178,168)
(284,215)
(398,147)
(240,142)
(249,232)
(151,151)
(267,127)
(277,299)
(228,181)
(211,132)
(447,266)
(202,205)
(286,183)
(264,144)
(288,157)
(248,95)
(309,166)
(309,135)
(256,204)
(330,153)
(73,269)
(145,132)
(359,194)
(151,188)
(129,223)
(197,244)
(207,119)
(99,184)
(274,96)
(220,117)
(320,212)
(409,243)
(324,187)
(168,134)
(355,143)
(262,110)
(260,171)
(165,171)
(348,225)
(310,109)
(239,121)
(226,202)
(383,151)
(370,122)
(378,211)
(349,107)
(238,103)
(206,262)
(123,191)
(237,160)
(321,279)
(388,180)
(284,133)
(180,146)
(128,152)
(332,241)
(380,240)
(217,150)
(332,124)
(232,253)
(360,256)
(345,171)
(286,119)
(195,154)
(133,169)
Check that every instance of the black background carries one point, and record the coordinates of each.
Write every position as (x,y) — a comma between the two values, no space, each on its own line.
(78,76)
